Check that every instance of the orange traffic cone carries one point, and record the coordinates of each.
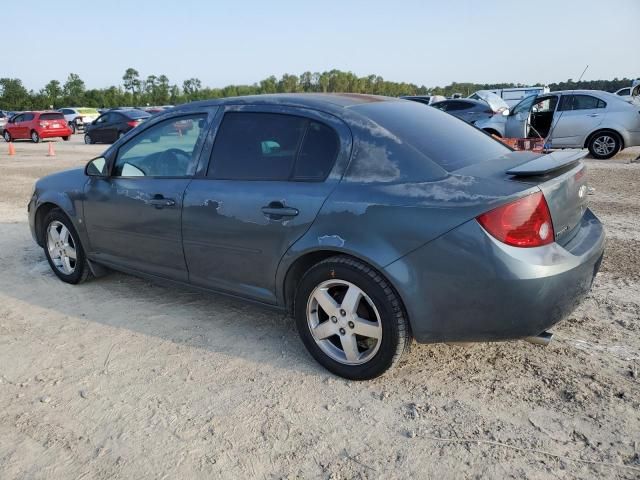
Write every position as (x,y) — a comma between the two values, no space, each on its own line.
(52,151)
(12,149)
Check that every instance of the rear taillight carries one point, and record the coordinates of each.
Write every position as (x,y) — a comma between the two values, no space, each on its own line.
(133,123)
(43,124)
(523,223)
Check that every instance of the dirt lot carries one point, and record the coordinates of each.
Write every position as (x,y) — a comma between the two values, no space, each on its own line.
(119,378)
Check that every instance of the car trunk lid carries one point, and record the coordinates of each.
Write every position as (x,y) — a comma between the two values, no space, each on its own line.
(561,177)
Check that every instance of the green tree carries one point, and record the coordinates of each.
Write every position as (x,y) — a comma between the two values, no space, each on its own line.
(13,95)
(191,87)
(52,92)
(73,89)
(131,81)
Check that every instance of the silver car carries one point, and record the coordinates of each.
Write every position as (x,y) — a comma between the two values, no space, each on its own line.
(600,121)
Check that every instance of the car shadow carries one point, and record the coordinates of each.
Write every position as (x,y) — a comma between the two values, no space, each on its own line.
(189,318)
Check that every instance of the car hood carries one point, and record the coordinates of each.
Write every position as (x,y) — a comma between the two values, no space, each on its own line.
(496,103)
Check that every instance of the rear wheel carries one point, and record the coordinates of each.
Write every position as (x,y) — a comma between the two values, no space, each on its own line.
(72,126)
(604,145)
(64,252)
(350,318)
(35,138)
(66,139)
(87,139)
(7,136)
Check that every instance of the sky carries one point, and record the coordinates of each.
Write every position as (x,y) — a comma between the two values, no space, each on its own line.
(430,43)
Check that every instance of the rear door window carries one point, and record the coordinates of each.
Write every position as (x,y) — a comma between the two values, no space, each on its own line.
(272,147)
(581,102)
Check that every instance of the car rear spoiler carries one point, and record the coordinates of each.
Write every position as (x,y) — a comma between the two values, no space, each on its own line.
(548,163)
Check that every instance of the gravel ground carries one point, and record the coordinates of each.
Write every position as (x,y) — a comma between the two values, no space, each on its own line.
(119,378)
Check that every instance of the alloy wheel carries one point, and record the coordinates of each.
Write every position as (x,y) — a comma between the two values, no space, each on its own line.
(61,247)
(344,322)
(604,145)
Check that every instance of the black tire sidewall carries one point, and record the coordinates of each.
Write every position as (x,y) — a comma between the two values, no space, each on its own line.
(613,135)
(7,136)
(80,272)
(37,137)
(87,136)
(386,354)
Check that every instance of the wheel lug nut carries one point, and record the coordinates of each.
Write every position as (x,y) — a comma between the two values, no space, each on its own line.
(334,319)
(343,313)
(342,331)
(351,325)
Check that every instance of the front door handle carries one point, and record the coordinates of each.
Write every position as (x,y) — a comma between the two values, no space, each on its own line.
(277,210)
(594,114)
(159,201)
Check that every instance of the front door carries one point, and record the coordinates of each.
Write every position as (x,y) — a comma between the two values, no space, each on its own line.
(267,179)
(578,115)
(99,128)
(517,124)
(133,217)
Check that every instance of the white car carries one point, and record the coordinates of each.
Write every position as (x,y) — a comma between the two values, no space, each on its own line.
(602,122)
(78,117)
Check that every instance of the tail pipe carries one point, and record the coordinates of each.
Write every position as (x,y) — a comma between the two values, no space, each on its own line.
(543,339)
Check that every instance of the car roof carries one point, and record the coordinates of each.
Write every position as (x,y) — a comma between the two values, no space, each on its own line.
(322,101)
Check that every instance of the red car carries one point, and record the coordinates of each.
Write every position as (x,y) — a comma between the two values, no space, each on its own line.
(36,126)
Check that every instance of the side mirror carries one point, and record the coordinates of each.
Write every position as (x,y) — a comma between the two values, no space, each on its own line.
(96,168)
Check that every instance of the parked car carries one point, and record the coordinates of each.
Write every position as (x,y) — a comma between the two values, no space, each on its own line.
(112,125)
(78,117)
(426,99)
(4,118)
(370,219)
(36,126)
(472,111)
(600,121)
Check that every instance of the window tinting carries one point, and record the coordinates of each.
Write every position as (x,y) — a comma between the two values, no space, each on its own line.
(134,114)
(318,153)
(164,150)
(456,106)
(51,116)
(624,91)
(426,136)
(271,146)
(581,102)
(27,117)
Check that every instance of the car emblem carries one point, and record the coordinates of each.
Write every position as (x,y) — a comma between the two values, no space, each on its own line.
(582,191)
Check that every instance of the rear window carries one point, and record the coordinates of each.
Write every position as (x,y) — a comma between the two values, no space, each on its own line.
(443,139)
(135,114)
(51,116)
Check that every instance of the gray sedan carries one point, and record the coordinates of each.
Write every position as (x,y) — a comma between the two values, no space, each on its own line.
(602,122)
(371,220)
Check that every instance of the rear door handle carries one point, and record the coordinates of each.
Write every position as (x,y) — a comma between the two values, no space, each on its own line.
(159,201)
(594,114)
(277,210)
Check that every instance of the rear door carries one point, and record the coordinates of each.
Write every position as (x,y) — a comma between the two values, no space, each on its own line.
(269,173)
(577,116)
(134,216)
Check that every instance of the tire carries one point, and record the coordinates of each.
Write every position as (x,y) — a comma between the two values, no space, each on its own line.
(76,271)
(72,126)
(7,136)
(35,138)
(87,139)
(604,144)
(66,139)
(328,337)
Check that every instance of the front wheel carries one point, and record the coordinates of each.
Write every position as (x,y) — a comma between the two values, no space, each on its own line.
(7,136)
(63,249)
(87,139)
(350,319)
(604,145)
(35,138)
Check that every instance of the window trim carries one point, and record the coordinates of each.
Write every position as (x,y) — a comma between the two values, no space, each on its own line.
(197,149)
(290,178)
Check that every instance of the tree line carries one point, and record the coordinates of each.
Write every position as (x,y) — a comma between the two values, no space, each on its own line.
(158,90)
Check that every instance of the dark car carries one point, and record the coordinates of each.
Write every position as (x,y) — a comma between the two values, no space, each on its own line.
(372,220)
(466,109)
(112,125)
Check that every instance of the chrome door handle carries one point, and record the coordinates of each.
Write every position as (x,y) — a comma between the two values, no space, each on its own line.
(594,115)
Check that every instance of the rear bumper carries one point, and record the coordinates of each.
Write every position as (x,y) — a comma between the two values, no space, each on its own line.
(466,286)
(58,132)
(631,139)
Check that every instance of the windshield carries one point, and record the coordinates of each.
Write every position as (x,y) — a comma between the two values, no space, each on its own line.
(51,116)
